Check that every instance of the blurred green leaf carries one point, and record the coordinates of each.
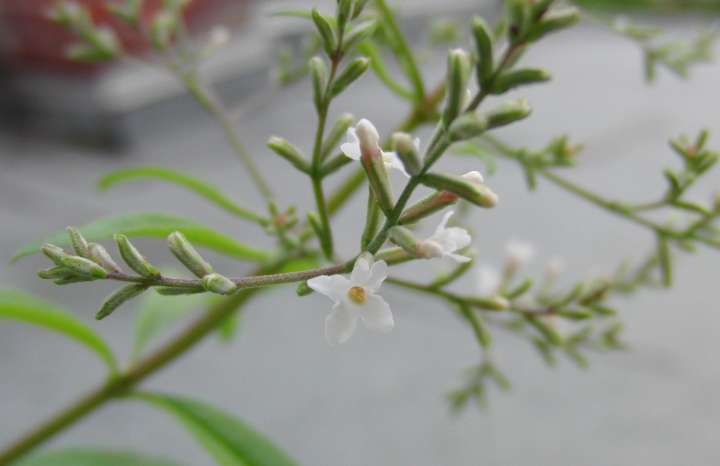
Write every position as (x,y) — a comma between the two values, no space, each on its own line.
(200,187)
(26,308)
(157,313)
(154,225)
(230,441)
(93,457)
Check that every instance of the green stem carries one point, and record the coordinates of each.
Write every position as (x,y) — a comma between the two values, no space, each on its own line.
(210,102)
(124,382)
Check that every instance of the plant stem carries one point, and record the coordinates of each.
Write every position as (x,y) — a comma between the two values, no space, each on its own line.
(125,381)
(210,102)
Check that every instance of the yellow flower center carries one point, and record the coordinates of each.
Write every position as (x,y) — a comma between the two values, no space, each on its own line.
(357,294)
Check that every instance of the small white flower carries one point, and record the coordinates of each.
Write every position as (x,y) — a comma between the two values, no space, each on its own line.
(476,178)
(519,253)
(554,268)
(446,241)
(364,137)
(355,298)
(488,280)
(219,36)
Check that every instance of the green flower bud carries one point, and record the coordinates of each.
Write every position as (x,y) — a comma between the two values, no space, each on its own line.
(458,65)
(188,255)
(128,11)
(100,256)
(554,20)
(318,72)
(84,267)
(344,11)
(476,193)
(325,30)
(508,112)
(359,33)
(289,152)
(54,253)
(79,244)
(428,206)
(72,279)
(172,291)
(359,7)
(468,126)
(134,259)
(162,29)
(336,134)
(351,73)
(516,78)
(54,272)
(484,44)
(494,303)
(575,314)
(407,149)
(219,284)
(118,298)
(546,330)
(406,240)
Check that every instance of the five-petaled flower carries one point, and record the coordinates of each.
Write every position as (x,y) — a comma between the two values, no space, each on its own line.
(364,137)
(355,298)
(445,242)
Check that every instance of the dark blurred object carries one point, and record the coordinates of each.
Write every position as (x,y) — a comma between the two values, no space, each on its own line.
(657,5)
(42,91)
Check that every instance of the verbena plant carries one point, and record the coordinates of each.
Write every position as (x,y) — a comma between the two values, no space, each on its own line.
(360,35)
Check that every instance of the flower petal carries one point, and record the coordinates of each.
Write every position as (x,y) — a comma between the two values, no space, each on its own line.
(392,160)
(443,224)
(351,148)
(376,314)
(340,325)
(458,238)
(378,274)
(361,270)
(333,286)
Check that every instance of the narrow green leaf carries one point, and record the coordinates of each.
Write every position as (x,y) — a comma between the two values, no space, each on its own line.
(24,307)
(93,457)
(200,187)
(229,440)
(154,225)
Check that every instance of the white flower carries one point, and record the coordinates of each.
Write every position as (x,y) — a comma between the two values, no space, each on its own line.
(219,36)
(554,267)
(446,241)
(355,298)
(476,178)
(488,280)
(519,253)
(364,137)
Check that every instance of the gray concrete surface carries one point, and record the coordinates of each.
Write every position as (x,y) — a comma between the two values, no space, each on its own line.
(379,399)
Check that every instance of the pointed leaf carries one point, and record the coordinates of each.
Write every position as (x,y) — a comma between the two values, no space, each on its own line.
(154,225)
(200,187)
(93,457)
(26,308)
(230,441)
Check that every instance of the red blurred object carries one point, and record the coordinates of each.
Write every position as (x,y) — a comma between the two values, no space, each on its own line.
(30,41)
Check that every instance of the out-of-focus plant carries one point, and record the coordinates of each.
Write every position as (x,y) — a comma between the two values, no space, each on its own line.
(360,35)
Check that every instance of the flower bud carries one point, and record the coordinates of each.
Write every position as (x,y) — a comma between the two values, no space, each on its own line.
(326,33)
(134,259)
(54,253)
(428,206)
(468,126)
(84,267)
(336,133)
(457,73)
(344,11)
(100,256)
(407,149)
(353,71)
(359,33)
(162,29)
(188,255)
(359,7)
(289,152)
(172,291)
(516,78)
(484,44)
(374,165)
(508,112)
(219,284)
(554,20)
(118,298)
(478,194)
(494,303)
(128,11)
(54,272)
(318,72)
(405,238)
(368,136)
(79,244)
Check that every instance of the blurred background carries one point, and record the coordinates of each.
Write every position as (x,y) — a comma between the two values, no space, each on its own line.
(379,399)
